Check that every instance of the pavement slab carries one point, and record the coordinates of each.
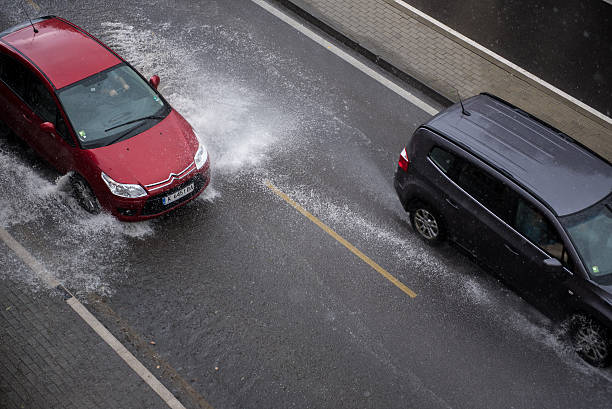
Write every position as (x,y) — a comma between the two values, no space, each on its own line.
(49,358)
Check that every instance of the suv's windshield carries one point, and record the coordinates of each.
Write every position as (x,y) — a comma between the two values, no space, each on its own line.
(591,233)
(110,106)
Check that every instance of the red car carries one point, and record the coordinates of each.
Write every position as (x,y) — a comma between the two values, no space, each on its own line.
(86,111)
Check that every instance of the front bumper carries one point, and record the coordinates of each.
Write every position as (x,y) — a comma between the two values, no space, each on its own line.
(151,206)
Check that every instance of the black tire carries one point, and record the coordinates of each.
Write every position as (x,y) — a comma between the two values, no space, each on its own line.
(84,194)
(427,223)
(591,340)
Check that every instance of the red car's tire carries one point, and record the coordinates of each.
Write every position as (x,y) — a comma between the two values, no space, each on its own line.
(84,194)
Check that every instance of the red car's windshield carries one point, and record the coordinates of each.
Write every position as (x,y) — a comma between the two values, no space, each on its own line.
(110,106)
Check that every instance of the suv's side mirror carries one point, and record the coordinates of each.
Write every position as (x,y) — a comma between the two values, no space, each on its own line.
(154,81)
(47,127)
(552,266)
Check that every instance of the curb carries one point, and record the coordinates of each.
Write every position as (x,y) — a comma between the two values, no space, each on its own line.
(376,59)
(438,61)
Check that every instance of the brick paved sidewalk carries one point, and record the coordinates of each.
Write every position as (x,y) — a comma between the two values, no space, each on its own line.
(445,61)
(49,357)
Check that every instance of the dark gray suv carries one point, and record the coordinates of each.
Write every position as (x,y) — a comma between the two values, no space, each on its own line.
(529,203)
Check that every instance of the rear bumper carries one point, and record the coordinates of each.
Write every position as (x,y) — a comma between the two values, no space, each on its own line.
(401,183)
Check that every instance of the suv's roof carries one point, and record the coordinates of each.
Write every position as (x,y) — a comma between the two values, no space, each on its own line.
(62,51)
(565,175)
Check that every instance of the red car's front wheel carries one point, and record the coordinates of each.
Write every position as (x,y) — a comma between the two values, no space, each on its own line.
(84,194)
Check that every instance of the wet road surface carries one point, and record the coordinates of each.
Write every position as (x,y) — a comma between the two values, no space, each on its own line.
(248,300)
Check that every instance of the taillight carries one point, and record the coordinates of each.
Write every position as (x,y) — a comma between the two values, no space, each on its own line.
(403,160)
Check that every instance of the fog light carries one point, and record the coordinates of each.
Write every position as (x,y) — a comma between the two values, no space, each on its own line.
(127,212)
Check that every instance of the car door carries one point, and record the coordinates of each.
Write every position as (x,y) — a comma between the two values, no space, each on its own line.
(538,239)
(55,147)
(451,199)
(480,200)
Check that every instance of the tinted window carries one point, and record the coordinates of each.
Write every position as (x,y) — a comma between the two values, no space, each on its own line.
(442,158)
(487,190)
(534,225)
(40,100)
(13,74)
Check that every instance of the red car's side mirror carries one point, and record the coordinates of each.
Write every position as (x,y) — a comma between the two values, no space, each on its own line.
(47,127)
(154,81)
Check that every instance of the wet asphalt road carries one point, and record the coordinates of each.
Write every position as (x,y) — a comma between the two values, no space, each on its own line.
(249,301)
(566,43)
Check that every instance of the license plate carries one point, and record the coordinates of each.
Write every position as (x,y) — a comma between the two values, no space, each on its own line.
(178,194)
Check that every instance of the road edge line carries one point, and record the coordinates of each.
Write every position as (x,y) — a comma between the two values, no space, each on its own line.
(126,355)
(92,321)
(381,79)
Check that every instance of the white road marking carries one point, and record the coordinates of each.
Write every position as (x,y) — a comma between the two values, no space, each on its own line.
(96,325)
(126,355)
(27,258)
(348,58)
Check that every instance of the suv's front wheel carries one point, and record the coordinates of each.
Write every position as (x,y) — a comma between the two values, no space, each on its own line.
(591,340)
(427,224)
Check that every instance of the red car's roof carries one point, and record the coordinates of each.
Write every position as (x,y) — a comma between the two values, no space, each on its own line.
(61,51)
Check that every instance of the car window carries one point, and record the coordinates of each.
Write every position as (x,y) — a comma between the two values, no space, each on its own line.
(533,224)
(38,97)
(489,191)
(442,158)
(13,74)
(40,100)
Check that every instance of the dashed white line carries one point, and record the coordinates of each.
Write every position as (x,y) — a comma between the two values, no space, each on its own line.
(348,58)
(96,325)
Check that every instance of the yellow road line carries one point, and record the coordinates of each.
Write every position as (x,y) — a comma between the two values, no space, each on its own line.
(341,240)
(34,5)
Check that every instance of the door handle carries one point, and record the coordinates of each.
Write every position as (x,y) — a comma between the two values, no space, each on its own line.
(511,250)
(27,118)
(453,204)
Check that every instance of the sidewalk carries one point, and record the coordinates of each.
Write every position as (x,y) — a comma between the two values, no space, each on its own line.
(49,357)
(445,61)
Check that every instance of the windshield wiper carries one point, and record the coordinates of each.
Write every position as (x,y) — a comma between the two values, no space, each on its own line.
(134,120)
(122,135)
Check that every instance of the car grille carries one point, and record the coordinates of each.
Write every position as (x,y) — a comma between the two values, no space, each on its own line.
(154,204)
(173,176)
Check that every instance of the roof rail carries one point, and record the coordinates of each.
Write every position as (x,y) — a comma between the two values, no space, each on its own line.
(549,126)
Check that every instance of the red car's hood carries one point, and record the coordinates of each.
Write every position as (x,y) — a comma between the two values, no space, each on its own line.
(151,156)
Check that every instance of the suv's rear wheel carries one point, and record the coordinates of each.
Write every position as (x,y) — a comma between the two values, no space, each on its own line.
(591,340)
(427,223)
(84,194)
